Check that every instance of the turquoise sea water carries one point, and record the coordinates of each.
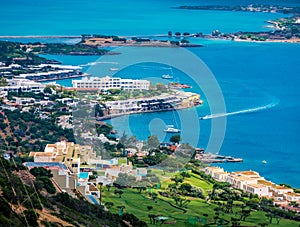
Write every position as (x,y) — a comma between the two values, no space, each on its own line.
(250,75)
(76,17)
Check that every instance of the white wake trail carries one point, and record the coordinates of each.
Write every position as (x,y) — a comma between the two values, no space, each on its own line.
(251,110)
(98,62)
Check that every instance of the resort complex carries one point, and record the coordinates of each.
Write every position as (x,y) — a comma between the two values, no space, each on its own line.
(41,72)
(163,102)
(251,182)
(106,83)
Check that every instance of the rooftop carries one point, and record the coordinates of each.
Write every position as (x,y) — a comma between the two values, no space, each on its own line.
(264,182)
(257,185)
(293,194)
(281,187)
(248,173)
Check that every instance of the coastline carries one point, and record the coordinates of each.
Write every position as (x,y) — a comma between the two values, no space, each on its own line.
(61,78)
(111,116)
(268,40)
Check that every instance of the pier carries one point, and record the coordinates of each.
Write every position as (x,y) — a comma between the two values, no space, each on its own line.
(214,158)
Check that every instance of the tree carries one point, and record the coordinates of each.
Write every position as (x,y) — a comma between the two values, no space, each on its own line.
(31,217)
(186,187)
(278,218)
(141,186)
(175,138)
(48,90)
(103,128)
(180,201)
(3,82)
(177,179)
(149,208)
(48,185)
(154,196)
(119,192)
(98,111)
(152,142)
(161,87)
(40,171)
(235,222)
(123,138)
(109,204)
(125,180)
(131,141)
(245,214)
(270,217)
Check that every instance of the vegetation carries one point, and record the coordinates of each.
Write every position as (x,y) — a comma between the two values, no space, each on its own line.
(23,204)
(43,179)
(25,132)
(175,138)
(191,198)
(14,52)
(67,49)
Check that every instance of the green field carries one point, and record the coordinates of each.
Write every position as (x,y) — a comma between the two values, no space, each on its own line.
(195,213)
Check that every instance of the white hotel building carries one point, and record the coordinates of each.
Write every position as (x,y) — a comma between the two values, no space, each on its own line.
(105,83)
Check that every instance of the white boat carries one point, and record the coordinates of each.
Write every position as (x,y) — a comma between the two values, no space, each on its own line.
(114,69)
(171,129)
(264,161)
(212,116)
(167,76)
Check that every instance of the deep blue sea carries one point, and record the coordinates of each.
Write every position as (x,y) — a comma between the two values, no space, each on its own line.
(250,75)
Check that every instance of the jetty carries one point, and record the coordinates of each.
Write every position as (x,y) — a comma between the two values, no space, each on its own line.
(214,158)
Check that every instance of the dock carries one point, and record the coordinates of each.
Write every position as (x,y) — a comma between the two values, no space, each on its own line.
(215,158)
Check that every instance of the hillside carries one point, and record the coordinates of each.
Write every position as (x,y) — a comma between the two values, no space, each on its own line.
(26,201)
(191,198)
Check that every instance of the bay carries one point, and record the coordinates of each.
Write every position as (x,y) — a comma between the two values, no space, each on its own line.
(250,75)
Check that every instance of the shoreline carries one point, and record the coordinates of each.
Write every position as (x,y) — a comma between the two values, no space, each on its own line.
(40,37)
(64,78)
(100,42)
(268,41)
(111,116)
(154,43)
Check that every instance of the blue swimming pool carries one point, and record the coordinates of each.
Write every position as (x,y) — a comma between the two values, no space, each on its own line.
(95,201)
(83,175)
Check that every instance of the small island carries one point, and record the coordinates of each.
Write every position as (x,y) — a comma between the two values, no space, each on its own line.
(284,29)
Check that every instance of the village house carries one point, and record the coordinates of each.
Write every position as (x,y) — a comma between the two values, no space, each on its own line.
(217,173)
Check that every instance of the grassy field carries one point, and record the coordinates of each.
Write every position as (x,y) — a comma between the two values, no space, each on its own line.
(136,203)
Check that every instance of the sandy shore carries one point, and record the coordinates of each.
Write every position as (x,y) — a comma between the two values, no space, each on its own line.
(294,40)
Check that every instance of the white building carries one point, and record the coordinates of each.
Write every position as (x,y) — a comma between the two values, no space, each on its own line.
(14,85)
(105,83)
(292,196)
(280,190)
(258,189)
(217,173)
(25,101)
